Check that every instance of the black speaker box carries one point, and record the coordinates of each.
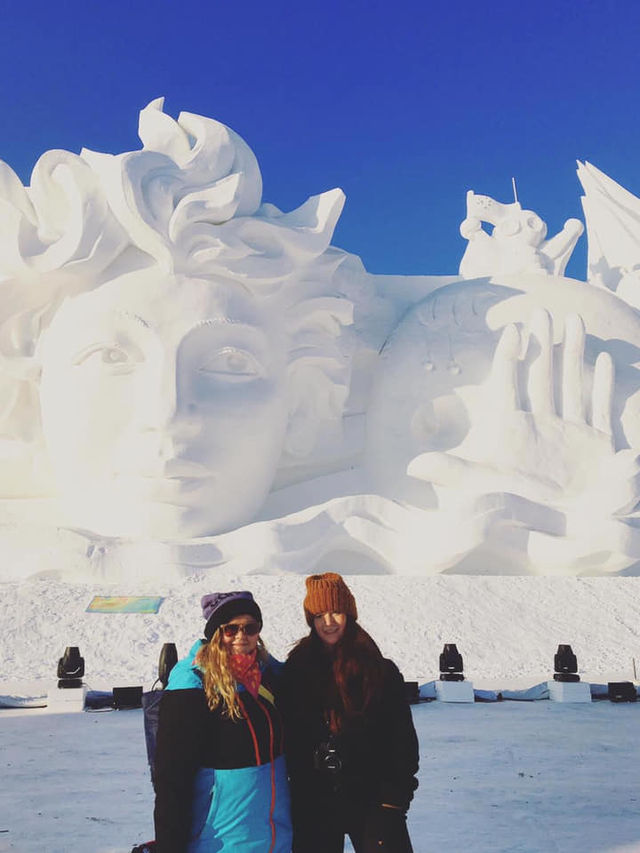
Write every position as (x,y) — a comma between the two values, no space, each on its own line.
(622,691)
(411,692)
(125,698)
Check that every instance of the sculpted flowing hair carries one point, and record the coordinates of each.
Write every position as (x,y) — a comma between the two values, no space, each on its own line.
(353,679)
(189,203)
(220,687)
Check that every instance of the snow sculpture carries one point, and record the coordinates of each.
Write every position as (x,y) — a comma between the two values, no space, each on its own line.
(501,413)
(191,378)
(55,237)
(164,423)
(517,243)
(190,333)
(504,431)
(613,220)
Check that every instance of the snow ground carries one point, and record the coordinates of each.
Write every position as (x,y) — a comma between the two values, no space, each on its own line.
(507,628)
(516,777)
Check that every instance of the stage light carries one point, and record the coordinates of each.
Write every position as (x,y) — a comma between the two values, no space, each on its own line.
(565,665)
(69,692)
(451,666)
(451,686)
(70,668)
(168,659)
(566,685)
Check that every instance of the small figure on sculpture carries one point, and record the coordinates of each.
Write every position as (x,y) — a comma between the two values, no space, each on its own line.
(517,243)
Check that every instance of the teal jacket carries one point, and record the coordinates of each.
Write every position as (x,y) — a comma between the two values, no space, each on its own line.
(221,785)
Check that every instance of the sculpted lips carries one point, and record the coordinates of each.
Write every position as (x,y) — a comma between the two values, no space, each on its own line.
(176,469)
(173,482)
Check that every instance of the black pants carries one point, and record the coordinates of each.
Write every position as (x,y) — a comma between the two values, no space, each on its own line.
(320,826)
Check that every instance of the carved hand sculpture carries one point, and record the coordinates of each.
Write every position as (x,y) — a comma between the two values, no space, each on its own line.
(397,536)
(562,459)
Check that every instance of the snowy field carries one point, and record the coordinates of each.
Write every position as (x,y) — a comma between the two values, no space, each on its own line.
(525,777)
(506,628)
(505,776)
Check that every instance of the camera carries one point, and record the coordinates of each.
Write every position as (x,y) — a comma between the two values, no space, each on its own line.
(326,757)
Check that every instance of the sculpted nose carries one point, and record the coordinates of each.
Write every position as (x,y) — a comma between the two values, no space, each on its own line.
(166,412)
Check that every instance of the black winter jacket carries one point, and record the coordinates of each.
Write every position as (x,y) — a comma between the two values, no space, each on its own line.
(194,743)
(378,750)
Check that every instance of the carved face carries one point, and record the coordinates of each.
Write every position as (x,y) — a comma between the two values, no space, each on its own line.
(525,228)
(163,405)
(441,347)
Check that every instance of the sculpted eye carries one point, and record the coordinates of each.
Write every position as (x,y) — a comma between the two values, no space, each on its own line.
(234,364)
(112,357)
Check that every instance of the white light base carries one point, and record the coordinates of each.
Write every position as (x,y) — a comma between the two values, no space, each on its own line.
(454,691)
(569,691)
(66,700)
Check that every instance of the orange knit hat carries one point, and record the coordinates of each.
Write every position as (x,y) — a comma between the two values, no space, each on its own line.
(328,593)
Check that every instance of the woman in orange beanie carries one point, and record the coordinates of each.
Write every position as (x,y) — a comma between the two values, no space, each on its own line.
(352,750)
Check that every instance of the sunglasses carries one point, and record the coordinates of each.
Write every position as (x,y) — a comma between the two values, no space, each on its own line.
(249,630)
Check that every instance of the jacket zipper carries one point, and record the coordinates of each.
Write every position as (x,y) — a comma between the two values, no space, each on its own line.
(273,778)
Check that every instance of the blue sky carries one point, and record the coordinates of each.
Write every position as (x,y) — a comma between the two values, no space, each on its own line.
(404,104)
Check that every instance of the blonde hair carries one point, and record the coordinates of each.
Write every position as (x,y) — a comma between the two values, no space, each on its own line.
(220,687)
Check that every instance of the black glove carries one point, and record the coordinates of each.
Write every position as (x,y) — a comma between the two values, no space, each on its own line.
(149,847)
(386,830)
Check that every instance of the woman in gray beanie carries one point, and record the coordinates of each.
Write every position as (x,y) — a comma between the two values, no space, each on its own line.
(220,776)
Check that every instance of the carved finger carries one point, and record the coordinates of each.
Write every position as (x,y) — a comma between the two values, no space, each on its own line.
(627,496)
(443,469)
(472,478)
(540,385)
(602,395)
(504,371)
(572,369)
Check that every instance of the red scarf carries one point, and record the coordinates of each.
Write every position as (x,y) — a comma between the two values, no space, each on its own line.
(246,670)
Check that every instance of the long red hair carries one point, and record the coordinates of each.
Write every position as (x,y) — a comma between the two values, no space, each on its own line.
(347,680)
